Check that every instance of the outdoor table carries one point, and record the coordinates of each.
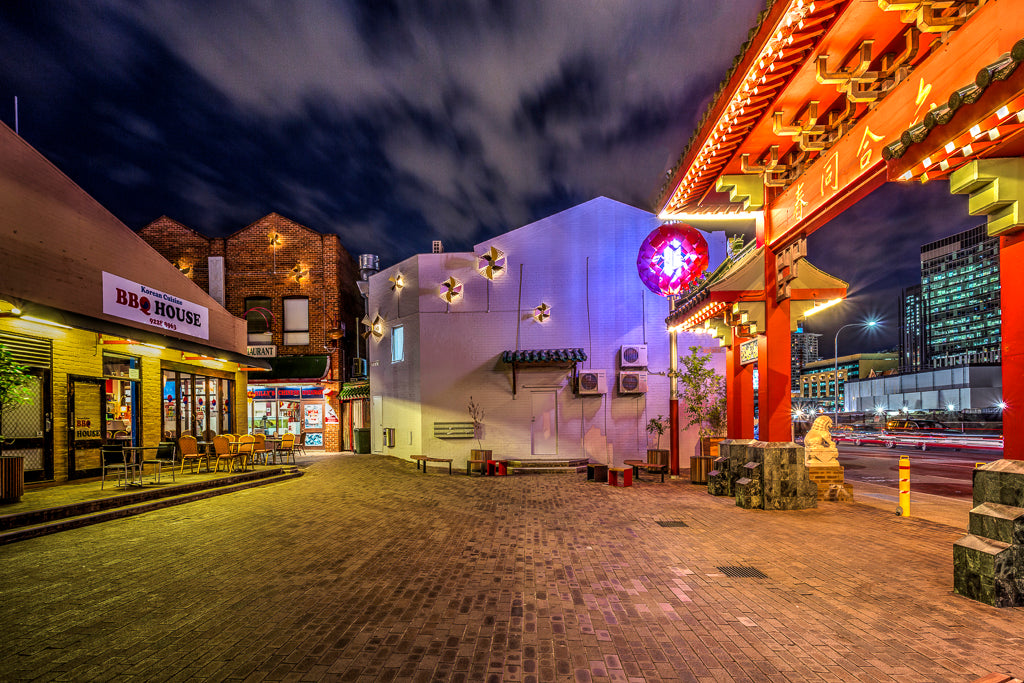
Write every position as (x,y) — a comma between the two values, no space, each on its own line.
(272,443)
(131,456)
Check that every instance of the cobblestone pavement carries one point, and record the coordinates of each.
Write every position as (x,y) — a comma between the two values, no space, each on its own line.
(366,570)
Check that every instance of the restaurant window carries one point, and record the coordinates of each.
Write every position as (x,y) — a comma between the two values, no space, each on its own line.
(397,344)
(195,405)
(296,321)
(121,380)
(259,320)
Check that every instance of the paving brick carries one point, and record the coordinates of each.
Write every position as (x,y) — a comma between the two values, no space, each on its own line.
(361,570)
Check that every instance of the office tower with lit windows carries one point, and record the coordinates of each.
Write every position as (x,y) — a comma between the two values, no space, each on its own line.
(960,299)
(911,323)
(803,350)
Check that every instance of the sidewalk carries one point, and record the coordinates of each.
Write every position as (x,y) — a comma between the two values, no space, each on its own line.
(365,569)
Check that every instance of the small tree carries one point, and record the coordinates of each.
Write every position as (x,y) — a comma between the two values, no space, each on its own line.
(14,386)
(657,425)
(703,391)
(476,413)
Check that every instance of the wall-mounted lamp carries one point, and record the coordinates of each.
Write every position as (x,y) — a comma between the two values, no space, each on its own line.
(450,289)
(397,282)
(183,267)
(298,272)
(542,313)
(491,263)
(33,319)
(275,239)
(374,327)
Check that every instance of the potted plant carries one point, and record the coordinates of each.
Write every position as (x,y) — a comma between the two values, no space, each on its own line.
(657,425)
(14,381)
(703,392)
(476,413)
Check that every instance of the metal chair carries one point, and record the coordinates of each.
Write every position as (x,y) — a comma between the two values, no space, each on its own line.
(222,451)
(300,444)
(113,458)
(246,443)
(164,456)
(260,451)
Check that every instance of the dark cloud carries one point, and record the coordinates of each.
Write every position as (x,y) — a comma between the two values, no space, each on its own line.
(395,122)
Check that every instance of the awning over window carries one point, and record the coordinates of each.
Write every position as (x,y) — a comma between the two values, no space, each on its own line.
(544,356)
(312,368)
(354,390)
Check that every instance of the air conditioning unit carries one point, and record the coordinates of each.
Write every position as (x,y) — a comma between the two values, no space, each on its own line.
(633,356)
(359,367)
(633,382)
(593,382)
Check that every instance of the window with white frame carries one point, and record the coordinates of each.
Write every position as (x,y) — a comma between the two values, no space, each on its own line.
(296,321)
(397,344)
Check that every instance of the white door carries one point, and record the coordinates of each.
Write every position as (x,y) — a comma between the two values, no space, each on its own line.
(377,430)
(544,427)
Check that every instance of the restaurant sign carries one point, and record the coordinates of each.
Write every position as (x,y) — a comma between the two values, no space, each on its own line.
(261,351)
(748,352)
(136,302)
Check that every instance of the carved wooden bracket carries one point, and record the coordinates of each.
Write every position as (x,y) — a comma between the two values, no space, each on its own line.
(787,266)
(771,173)
(931,16)
(808,134)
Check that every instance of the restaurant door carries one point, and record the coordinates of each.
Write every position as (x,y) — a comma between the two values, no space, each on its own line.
(86,412)
(28,428)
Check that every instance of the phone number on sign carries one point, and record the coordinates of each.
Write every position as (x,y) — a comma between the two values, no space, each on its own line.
(163,323)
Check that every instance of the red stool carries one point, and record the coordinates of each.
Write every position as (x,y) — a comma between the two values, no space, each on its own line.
(496,468)
(620,474)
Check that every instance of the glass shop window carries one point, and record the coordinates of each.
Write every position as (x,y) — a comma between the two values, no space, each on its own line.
(296,321)
(397,344)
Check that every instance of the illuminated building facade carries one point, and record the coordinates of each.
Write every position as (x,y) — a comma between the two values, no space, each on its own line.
(960,299)
(547,327)
(803,350)
(911,330)
(818,379)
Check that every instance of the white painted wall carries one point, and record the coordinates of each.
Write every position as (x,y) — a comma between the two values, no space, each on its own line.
(582,263)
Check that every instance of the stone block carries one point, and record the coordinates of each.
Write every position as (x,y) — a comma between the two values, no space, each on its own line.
(719,480)
(749,492)
(786,481)
(1003,523)
(983,570)
(737,452)
(1000,482)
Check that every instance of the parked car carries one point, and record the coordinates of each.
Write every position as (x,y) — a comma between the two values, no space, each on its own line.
(916,427)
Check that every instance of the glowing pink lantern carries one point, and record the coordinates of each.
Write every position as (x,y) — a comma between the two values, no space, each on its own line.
(671,258)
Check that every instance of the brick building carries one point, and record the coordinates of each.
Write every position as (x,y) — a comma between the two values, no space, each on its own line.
(296,288)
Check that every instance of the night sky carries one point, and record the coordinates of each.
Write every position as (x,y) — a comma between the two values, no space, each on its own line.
(397,122)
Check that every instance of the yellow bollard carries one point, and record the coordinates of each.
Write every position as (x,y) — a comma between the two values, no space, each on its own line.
(904,486)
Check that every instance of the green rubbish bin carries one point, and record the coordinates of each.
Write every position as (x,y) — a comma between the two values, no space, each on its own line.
(362,439)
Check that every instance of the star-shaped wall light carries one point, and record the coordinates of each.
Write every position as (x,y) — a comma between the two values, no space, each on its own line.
(183,267)
(298,272)
(373,327)
(451,289)
(491,263)
(542,313)
(397,282)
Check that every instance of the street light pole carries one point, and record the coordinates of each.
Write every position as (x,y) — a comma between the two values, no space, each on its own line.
(835,377)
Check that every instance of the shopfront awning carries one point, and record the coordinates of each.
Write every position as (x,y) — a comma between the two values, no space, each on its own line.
(292,368)
(544,356)
(351,391)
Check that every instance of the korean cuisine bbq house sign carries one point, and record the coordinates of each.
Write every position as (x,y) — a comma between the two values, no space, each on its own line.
(139,303)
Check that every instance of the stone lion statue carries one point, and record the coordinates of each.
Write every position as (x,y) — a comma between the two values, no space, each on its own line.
(819,448)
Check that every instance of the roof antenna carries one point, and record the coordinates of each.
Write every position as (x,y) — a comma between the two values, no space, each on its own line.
(16,115)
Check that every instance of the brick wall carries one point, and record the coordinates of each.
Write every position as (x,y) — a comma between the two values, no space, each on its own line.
(276,257)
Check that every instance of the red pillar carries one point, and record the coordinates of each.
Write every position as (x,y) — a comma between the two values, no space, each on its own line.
(1011,283)
(773,363)
(739,395)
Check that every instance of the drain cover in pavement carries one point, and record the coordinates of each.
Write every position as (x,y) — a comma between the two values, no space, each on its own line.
(743,572)
(671,523)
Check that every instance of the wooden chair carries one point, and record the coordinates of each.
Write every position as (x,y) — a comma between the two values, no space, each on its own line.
(188,447)
(222,450)
(287,447)
(246,444)
(260,451)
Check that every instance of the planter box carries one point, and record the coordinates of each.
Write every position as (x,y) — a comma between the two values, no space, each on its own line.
(658,455)
(12,478)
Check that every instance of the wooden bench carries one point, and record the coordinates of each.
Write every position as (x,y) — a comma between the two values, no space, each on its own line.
(426,458)
(654,467)
(620,476)
(476,461)
(597,472)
